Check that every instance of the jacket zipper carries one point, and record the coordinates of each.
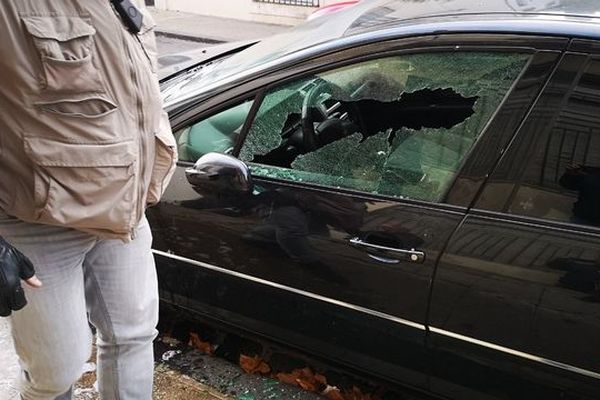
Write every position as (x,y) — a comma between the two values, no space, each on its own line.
(138,179)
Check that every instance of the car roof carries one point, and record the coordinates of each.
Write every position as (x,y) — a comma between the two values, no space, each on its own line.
(372,20)
(381,13)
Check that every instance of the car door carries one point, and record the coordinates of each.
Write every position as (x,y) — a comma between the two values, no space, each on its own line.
(516,303)
(334,248)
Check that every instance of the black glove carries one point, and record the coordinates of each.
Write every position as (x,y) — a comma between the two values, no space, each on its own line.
(14,266)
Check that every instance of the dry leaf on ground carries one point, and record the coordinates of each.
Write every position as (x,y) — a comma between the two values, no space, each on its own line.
(254,365)
(200,345)
(305,378)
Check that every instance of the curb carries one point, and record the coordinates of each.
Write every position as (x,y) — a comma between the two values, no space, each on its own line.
(185,36)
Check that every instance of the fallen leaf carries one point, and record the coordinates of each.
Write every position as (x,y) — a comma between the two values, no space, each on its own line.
(307,384)
(254,365)
(305,378)
(200,345)
(290,378)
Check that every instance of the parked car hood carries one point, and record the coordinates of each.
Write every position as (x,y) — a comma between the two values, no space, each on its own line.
(171,64)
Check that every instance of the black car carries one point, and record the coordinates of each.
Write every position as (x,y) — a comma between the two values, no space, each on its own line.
(410,189)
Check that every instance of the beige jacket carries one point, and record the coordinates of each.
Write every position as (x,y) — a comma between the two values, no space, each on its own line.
(84,142)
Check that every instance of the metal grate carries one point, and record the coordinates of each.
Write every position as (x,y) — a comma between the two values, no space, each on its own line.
(302,3)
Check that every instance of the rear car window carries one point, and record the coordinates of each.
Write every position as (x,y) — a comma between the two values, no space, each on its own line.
(552,168)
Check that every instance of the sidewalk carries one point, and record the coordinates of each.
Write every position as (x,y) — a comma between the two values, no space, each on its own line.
(169,384)
(9,369)
(207,29)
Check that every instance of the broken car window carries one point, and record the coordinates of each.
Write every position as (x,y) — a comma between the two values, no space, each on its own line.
(398,126)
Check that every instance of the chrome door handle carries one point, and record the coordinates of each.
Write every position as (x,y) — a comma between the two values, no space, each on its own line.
(411,255)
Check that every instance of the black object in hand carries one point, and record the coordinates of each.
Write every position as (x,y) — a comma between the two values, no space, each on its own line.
(130,15)
(14,266)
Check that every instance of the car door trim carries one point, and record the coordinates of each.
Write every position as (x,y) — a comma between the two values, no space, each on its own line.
(378,314)
(516,353)
(566,227)
(301,292)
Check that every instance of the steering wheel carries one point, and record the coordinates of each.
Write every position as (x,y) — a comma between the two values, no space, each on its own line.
(314,100)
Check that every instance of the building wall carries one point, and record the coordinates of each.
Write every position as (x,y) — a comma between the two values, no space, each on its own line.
(247,10)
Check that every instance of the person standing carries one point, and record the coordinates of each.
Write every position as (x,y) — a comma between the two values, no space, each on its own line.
(85,147)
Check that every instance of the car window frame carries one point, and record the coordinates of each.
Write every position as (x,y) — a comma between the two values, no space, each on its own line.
(255,98)
(477,42)
(478,47)
(209,113)
(443,50)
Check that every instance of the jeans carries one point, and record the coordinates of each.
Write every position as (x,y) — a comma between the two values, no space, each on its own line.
(108,284)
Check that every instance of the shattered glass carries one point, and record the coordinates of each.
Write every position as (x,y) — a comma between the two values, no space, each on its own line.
(356,163)
(411,160)
(466,73)
(265,133)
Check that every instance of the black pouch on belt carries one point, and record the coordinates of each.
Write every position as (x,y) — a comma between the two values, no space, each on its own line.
(130,14)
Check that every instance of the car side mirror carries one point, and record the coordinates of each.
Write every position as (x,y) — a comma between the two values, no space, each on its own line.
(220,174)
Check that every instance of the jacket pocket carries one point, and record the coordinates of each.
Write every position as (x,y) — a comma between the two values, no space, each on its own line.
(65,46)
(165,160)
(83,186)
(85,118)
